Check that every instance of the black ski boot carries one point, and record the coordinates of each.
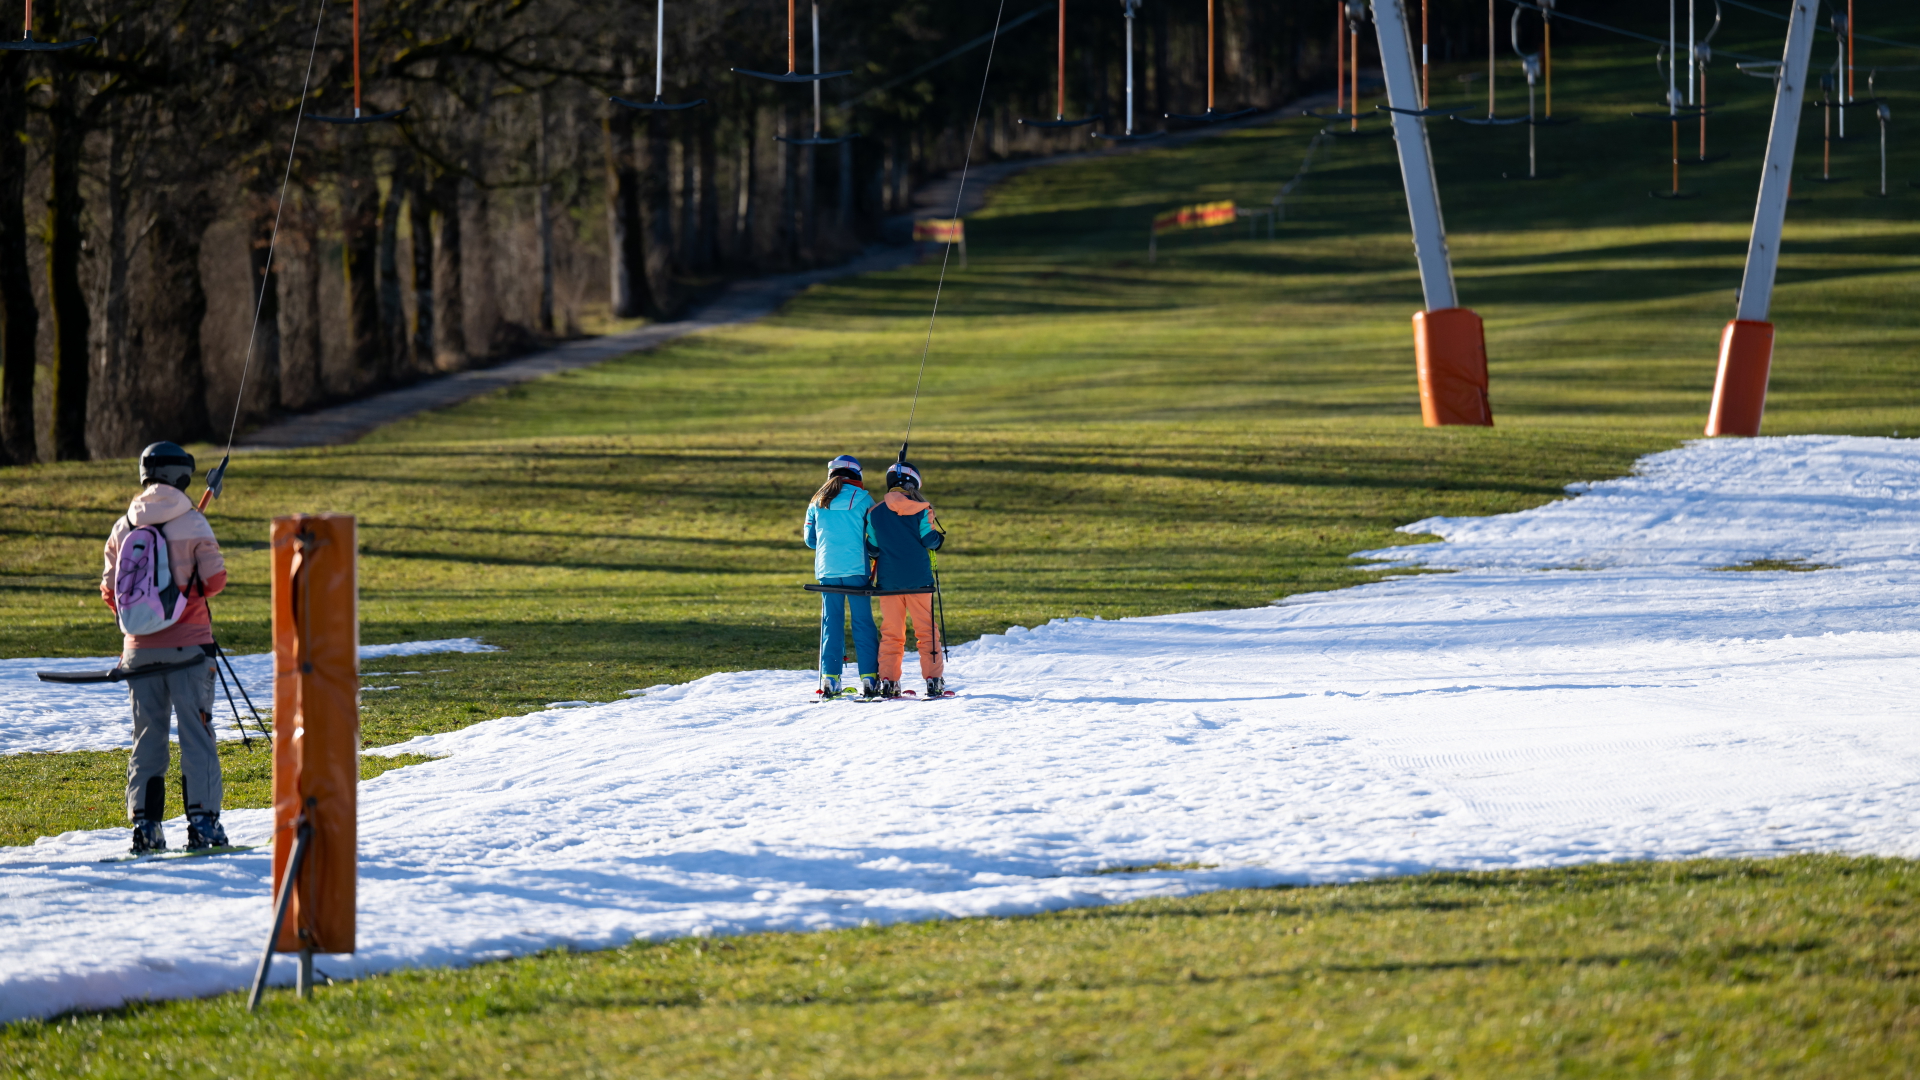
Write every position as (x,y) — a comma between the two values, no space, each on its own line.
(148,837)
(889,688)
(870,687)
(936,687)
(205,831)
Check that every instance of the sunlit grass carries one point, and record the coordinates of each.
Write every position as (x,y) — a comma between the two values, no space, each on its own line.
(1103,437)
(1791,967)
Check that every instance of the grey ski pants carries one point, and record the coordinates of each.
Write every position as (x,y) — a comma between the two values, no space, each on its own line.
(155,700)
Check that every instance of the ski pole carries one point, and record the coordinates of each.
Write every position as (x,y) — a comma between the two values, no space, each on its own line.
(940,609)
(237,722)
(252,709)
(939,594)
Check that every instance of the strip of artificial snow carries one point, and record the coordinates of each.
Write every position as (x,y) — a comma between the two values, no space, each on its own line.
(1817,499)
(1495,717)
(43,717)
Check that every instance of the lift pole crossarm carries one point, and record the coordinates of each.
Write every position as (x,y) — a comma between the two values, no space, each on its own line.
(27,44)
(662,106)
(817,140)
(1063,123)
(370,119)
(1446,111)
(1335,115)
(1211,116)
(792,76)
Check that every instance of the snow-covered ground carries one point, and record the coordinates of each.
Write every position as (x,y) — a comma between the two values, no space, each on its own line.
(45,717)
(1645,705)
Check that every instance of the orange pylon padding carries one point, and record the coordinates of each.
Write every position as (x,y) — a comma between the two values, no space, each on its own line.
(1740,390)
(1450,349)
(316,725)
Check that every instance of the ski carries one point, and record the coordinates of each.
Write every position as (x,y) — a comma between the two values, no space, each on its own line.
(183,853)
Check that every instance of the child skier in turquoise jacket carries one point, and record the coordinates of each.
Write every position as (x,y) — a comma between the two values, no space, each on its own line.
(836,531)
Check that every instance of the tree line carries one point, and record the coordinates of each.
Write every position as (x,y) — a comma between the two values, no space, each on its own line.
(510,204)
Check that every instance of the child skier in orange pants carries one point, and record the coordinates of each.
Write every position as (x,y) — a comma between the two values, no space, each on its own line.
(901,537)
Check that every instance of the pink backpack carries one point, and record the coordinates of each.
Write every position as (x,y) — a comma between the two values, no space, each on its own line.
(143,590)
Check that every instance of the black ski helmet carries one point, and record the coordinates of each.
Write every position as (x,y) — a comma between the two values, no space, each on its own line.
(166,463)
(902,474)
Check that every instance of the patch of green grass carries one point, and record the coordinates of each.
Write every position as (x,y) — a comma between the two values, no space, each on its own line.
(1147,868)
(1102,437)
(1791,566)
(1801,966)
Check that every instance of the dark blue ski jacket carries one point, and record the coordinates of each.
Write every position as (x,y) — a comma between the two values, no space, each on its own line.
(900,534)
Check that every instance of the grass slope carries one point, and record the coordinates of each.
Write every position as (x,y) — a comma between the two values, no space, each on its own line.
(1792,967)
(1103,437)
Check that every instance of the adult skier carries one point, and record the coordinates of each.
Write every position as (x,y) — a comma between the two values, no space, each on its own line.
(836,521)
(162,563)
(901,539)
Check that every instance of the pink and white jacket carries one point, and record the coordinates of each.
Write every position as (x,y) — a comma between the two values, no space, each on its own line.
(191,550)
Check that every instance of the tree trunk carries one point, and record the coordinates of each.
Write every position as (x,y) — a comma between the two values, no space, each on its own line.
(1236,58)
(264,343)
(656,217)
(690,200)
(1159,71)
(420,223)
(744,177)
(112,394)
(874,197)
(19,317)
(485,327)
(169,303)
(450,313)
(901,181)
(65,294)
(299,303)
(393,315)
(843,213)
(360,253)
(788,238)
(1099,96)
(626,251)
(543,223)
(708,252)
(810,204)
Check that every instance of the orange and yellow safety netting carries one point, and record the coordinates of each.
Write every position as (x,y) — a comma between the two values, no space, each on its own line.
(1198,216)
(940,230)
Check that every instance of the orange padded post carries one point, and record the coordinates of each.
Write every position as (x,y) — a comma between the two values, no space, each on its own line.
(1740,390)
(316,725)
(1450,350)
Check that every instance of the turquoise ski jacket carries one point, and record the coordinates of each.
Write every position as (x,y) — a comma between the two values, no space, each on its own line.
(837,534)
